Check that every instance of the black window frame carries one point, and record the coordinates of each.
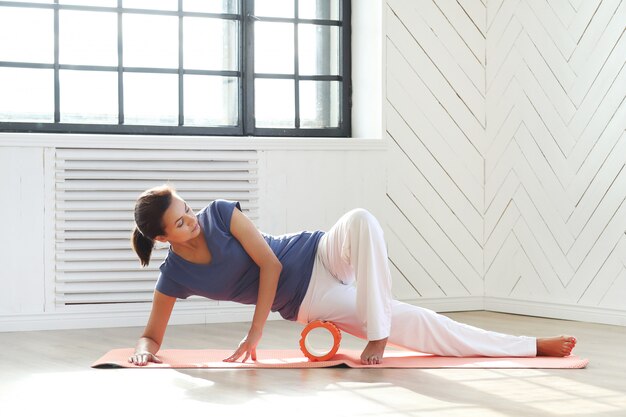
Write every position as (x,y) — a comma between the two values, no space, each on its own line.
(246,75)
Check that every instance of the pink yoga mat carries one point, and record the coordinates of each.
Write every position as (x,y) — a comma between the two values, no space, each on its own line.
(211,358)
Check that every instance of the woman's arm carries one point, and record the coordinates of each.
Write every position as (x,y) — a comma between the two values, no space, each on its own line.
(150,342)
(270,267)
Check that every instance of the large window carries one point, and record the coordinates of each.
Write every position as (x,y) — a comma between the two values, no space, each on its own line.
(190,67)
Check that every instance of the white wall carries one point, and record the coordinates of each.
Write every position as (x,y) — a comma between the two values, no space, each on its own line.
(304,184)
(22,216)
(495,163)
(507,151)
(309,189)
(555,182)
(435,118)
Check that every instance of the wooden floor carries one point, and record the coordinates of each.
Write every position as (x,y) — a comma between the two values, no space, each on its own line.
(48,372)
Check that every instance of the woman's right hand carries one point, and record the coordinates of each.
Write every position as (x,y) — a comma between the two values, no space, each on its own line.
(142,358)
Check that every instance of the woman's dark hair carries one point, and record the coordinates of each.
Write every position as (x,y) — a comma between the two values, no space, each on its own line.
(149,210)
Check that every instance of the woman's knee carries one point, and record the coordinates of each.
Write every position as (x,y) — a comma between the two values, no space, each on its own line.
(361,216)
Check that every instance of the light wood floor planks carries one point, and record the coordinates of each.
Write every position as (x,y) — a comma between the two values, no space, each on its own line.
(48,371)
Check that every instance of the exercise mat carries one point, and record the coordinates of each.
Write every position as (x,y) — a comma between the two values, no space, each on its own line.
(213,358)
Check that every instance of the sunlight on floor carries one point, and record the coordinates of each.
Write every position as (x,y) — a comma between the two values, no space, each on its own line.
(99,393)
(537,389)
(169,391)
(381,398)
(224,392)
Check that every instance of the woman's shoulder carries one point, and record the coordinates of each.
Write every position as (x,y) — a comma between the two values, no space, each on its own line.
(220,212)
(223,204)
(168,280)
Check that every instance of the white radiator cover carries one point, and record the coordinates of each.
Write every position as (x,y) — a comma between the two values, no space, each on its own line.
(95,192)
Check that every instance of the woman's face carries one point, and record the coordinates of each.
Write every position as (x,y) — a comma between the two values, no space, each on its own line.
(179,221)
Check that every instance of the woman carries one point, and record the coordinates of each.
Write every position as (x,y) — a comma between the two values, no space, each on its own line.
(306,276)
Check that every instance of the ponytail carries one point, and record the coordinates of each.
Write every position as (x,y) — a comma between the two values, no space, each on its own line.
(142,246)
(149,210)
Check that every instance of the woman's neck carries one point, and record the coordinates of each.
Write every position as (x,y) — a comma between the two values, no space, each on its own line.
(190,245)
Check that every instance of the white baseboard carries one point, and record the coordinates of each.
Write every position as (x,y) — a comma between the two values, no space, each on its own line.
(524,307)
(449,304)
(202,314)
(556,310)
(124,318)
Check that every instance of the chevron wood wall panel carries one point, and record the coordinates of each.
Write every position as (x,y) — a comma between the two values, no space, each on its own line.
(555,183)
(506,173)
(435,122)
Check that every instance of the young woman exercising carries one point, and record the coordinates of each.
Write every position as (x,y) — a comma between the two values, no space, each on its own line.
(341,276)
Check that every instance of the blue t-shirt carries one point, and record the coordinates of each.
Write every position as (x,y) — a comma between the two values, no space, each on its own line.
(232,275)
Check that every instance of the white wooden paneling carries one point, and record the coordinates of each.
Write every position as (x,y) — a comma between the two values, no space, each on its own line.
(408,15)
(561,80)
(436,119)
(524,146)
(310,190)
(23,237)
(505,121)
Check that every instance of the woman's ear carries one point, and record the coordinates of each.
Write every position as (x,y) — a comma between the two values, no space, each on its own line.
(161,239)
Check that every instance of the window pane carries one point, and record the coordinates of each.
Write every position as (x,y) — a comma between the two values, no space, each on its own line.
(150,41)
(274,8)
(320,50)
(151,99)
(210,100)
(87,38)
(319,9)
(210,44)
(151,4)
(26,35)
(88,96)
(98,3)
(320,104)
(27,95)
(274,103)
(273,48)
(210,6)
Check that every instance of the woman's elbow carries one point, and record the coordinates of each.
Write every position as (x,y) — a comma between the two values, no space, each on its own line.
(274,265)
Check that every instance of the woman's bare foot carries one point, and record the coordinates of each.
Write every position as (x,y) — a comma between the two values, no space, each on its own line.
(373,352)
(555,346)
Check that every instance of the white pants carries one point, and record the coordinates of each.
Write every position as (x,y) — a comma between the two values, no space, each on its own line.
(351,286)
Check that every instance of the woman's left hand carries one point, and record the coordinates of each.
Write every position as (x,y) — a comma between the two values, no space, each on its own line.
(248,346)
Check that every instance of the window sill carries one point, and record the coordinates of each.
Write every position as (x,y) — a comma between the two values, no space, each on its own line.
(56,140)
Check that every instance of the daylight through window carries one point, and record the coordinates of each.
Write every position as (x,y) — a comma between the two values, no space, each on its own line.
(193,67)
